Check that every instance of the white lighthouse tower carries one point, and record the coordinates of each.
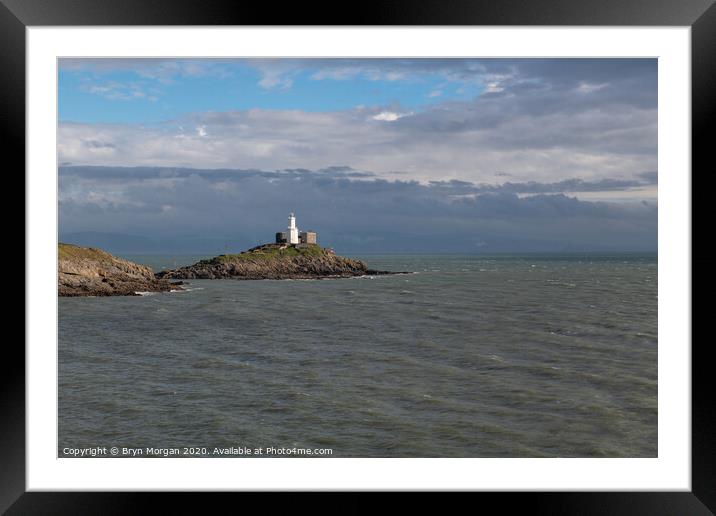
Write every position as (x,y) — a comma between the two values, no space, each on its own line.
(292,230)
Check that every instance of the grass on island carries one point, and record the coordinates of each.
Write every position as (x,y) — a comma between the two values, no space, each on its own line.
(270,252)
(71,251)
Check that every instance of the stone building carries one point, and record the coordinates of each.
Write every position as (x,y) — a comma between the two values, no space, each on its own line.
(307,237)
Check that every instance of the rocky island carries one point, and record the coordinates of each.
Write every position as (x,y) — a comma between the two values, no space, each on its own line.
(275,261)
(87,271)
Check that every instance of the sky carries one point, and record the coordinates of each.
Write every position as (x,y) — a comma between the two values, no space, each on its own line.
(376,155)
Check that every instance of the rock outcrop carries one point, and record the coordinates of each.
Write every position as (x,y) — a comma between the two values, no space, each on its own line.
(275,261)
(86,271)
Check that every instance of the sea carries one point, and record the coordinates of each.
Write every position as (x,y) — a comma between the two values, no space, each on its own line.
(468,356)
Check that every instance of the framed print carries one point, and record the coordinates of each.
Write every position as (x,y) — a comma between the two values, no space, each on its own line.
(434,249)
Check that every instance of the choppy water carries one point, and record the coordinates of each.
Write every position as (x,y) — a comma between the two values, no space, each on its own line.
(474,356)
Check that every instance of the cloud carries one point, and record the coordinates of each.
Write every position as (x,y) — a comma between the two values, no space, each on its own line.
(543,136)
(275,80)
(585,87)
(536,119)
(163,70)
(352,210)
(113,90)
(493,87)
(389,116)
(149,77)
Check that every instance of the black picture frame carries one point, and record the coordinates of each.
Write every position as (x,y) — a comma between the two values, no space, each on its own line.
(700,15)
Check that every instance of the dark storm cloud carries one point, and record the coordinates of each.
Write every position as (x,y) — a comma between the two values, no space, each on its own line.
(184,209)
(328,175)
(567,185)
(211,175)
(607,110)
(650,177)
(94,144)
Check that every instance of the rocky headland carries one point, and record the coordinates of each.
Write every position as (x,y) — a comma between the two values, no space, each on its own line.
(87,271)
(275,261)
